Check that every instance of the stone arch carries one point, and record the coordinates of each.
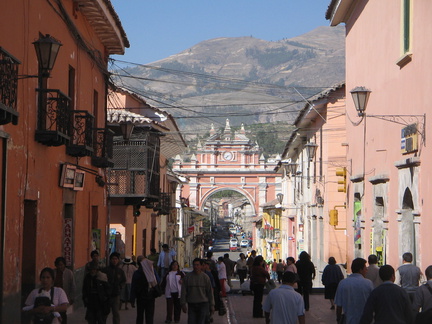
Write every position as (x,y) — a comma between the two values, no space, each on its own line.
(242,192)
(407,230)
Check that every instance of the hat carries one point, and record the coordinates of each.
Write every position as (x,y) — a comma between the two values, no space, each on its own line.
(127,260)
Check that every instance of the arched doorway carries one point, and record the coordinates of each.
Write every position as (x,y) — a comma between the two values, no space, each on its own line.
(407,242)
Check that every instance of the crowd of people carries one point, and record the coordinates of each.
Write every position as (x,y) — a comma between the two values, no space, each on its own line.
(370,294)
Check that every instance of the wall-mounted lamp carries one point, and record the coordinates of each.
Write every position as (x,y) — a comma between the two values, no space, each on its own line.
(360,96)
(310,150)
(47,48)
(127,129)
(280,197)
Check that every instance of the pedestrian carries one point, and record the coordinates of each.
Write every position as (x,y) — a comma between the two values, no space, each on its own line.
(165,258)
(143,290)
(387,303)
(250,260)
(222,275)
(284,305)
(280,269)
(154,257)
(96,294)
(219,305)
(273,273)
(331,277)
(116,279)
(241,268)
(206,270)
(197,295)
(46,302)
(229,266)
(128,269)
(423,300)
(373,270)
(408,275)
(94,255)
(171,284)
(64,278)
(259,276)
(290,265)
(352,293)
(306,272)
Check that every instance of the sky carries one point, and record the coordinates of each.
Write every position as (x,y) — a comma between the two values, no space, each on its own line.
(157,29)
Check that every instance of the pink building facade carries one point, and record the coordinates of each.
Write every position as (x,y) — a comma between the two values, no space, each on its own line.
(388,51)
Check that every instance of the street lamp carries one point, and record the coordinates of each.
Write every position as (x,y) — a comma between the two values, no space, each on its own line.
(127,129)
(47,48)
(360,96)
(310,150)
(280,197)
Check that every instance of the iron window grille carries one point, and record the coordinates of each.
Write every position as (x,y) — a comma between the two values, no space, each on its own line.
(103,148)
(8,88)
(81,142)
(53,118)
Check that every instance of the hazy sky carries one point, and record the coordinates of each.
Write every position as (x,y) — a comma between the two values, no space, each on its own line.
(157,29)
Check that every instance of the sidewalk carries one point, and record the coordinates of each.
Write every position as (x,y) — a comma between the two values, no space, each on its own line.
(239,311)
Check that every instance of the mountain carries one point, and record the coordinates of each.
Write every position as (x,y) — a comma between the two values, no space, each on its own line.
(246,79)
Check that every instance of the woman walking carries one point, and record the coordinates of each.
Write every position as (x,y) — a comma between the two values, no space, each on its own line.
(241,268)
(331,277)
(172,286)
(259,275)
(306,272)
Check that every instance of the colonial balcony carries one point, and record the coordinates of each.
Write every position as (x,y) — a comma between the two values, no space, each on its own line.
(53,118)
(103,148)
(165,205)
(135,174)
(8,88)
(81,143)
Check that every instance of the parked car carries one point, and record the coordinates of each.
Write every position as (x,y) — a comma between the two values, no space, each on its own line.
(233,244)
(244,243)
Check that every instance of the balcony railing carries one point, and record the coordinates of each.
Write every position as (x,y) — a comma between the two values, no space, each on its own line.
(164,206)
(53,118)
(103,148)
(81,143)
(8,88)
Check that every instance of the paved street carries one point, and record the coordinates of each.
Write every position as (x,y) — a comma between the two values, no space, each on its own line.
(239,309)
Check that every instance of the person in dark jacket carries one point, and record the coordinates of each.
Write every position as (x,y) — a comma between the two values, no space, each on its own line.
(142,281)
(331,277)
(96,293)
(259,276)
(116,279)
(306,272)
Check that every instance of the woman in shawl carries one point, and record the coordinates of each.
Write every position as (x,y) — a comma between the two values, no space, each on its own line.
(142,290)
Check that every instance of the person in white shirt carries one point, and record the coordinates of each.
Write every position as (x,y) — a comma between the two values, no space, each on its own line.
(284,304)
(172,286)
(222,275)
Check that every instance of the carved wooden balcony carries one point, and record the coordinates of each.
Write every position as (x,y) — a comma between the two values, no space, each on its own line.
(53,118)
(103,148)
(81,142)
(8,88)
(135,174)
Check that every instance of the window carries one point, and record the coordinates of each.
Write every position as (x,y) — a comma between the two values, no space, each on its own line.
(406,33)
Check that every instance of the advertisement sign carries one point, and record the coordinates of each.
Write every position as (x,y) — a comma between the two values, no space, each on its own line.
(67,240)
(357,224)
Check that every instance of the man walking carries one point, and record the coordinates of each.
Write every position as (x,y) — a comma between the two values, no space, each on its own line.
(372,273)
(423,299)
(229,266)
(284,303)
(197,294)
(408,275)
(222,275)
(165,258)
(116,280)
(388,303)
(352,293)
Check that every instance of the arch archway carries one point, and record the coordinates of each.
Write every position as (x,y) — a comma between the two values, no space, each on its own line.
(407,241)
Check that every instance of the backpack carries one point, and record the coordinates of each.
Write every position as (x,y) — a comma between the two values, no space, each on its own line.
(43,301)
(426,316)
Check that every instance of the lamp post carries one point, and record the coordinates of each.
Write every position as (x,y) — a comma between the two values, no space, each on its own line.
(360,96)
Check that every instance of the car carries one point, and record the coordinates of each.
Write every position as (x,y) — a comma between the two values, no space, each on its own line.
(233,244)
(233,241)
(244,243)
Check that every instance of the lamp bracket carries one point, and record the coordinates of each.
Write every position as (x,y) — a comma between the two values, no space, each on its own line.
(406,120)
